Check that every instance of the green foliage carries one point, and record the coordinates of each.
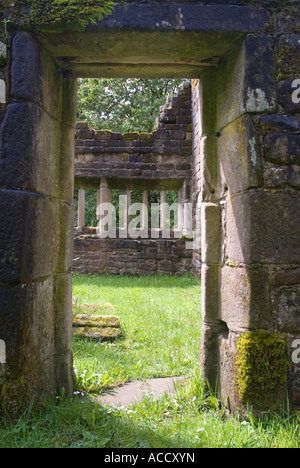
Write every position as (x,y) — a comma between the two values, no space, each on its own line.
(90,208)
(261,367)
(123,105)
(136,197)
(57,15)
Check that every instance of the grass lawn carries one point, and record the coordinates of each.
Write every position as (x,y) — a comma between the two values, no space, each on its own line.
(161,322)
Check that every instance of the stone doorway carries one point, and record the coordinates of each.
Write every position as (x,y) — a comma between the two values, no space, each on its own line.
(246,171)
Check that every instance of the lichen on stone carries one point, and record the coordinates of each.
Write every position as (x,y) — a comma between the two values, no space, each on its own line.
(261,365)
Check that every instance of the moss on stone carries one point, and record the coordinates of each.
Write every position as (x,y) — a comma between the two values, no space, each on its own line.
(108,333)
(56,15)
(146,137)
(288,63)
(84,320)
(261,365)
(131,136)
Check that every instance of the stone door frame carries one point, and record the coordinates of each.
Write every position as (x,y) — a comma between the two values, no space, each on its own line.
(236,121)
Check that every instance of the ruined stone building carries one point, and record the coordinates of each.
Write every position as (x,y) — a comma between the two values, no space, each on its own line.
(161,160)
(243,59)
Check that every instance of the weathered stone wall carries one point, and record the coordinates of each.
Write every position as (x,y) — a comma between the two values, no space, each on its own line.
(161,159)
(247,58)
(145,160)
(196,173)
(130,256)
(36,220)
(249,185)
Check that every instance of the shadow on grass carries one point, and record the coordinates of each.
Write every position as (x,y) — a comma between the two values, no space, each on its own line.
(158,281)
(81,422)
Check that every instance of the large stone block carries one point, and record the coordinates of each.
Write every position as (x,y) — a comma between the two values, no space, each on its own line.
(281,123)
(210,284)
(245,298)
(240,161)
(27,328)
(288,56)
(28,236)
(209,355)
(288,95)
(62,305)
(263,228)
(211,233)
(227,349)
(286,308)
(35,76)
(30,149)
(26,79)
(281,149)
(246,82)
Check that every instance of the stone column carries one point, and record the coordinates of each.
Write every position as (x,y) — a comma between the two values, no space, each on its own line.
(81,208)
(128,203)
(36,228)
(125,201)
(185,215)
(144,226)
(163,201)
(250,220)
(104,197)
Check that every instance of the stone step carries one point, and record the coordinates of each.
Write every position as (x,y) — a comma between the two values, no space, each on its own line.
(96,321)
(106,333)
(98,327)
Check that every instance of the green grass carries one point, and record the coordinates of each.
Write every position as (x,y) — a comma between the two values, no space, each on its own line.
(188,419)
(161,323)
(160,320)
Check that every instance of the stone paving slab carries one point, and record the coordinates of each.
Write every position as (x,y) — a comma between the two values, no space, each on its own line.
(134,391)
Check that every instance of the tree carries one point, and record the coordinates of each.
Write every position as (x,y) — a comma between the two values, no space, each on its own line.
(123,105)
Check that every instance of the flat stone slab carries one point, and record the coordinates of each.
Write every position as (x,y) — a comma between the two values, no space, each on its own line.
(133,392)
(97,327)
(95,333)
(85,320)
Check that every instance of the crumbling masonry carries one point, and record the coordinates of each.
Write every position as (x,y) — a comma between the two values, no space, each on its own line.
(159,161)
(243,58)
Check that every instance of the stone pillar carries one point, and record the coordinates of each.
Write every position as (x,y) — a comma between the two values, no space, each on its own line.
(125,202)
(163,201)
(181,212)
(36,226)
(128,203)
(250,218)
(81,208)
(104,197)
(144,226)
(185,215)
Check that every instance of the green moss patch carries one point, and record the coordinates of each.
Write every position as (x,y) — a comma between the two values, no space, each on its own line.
(288,63)
(88,323)
(56,15)
(82,320)
(261,365)
(108,333)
